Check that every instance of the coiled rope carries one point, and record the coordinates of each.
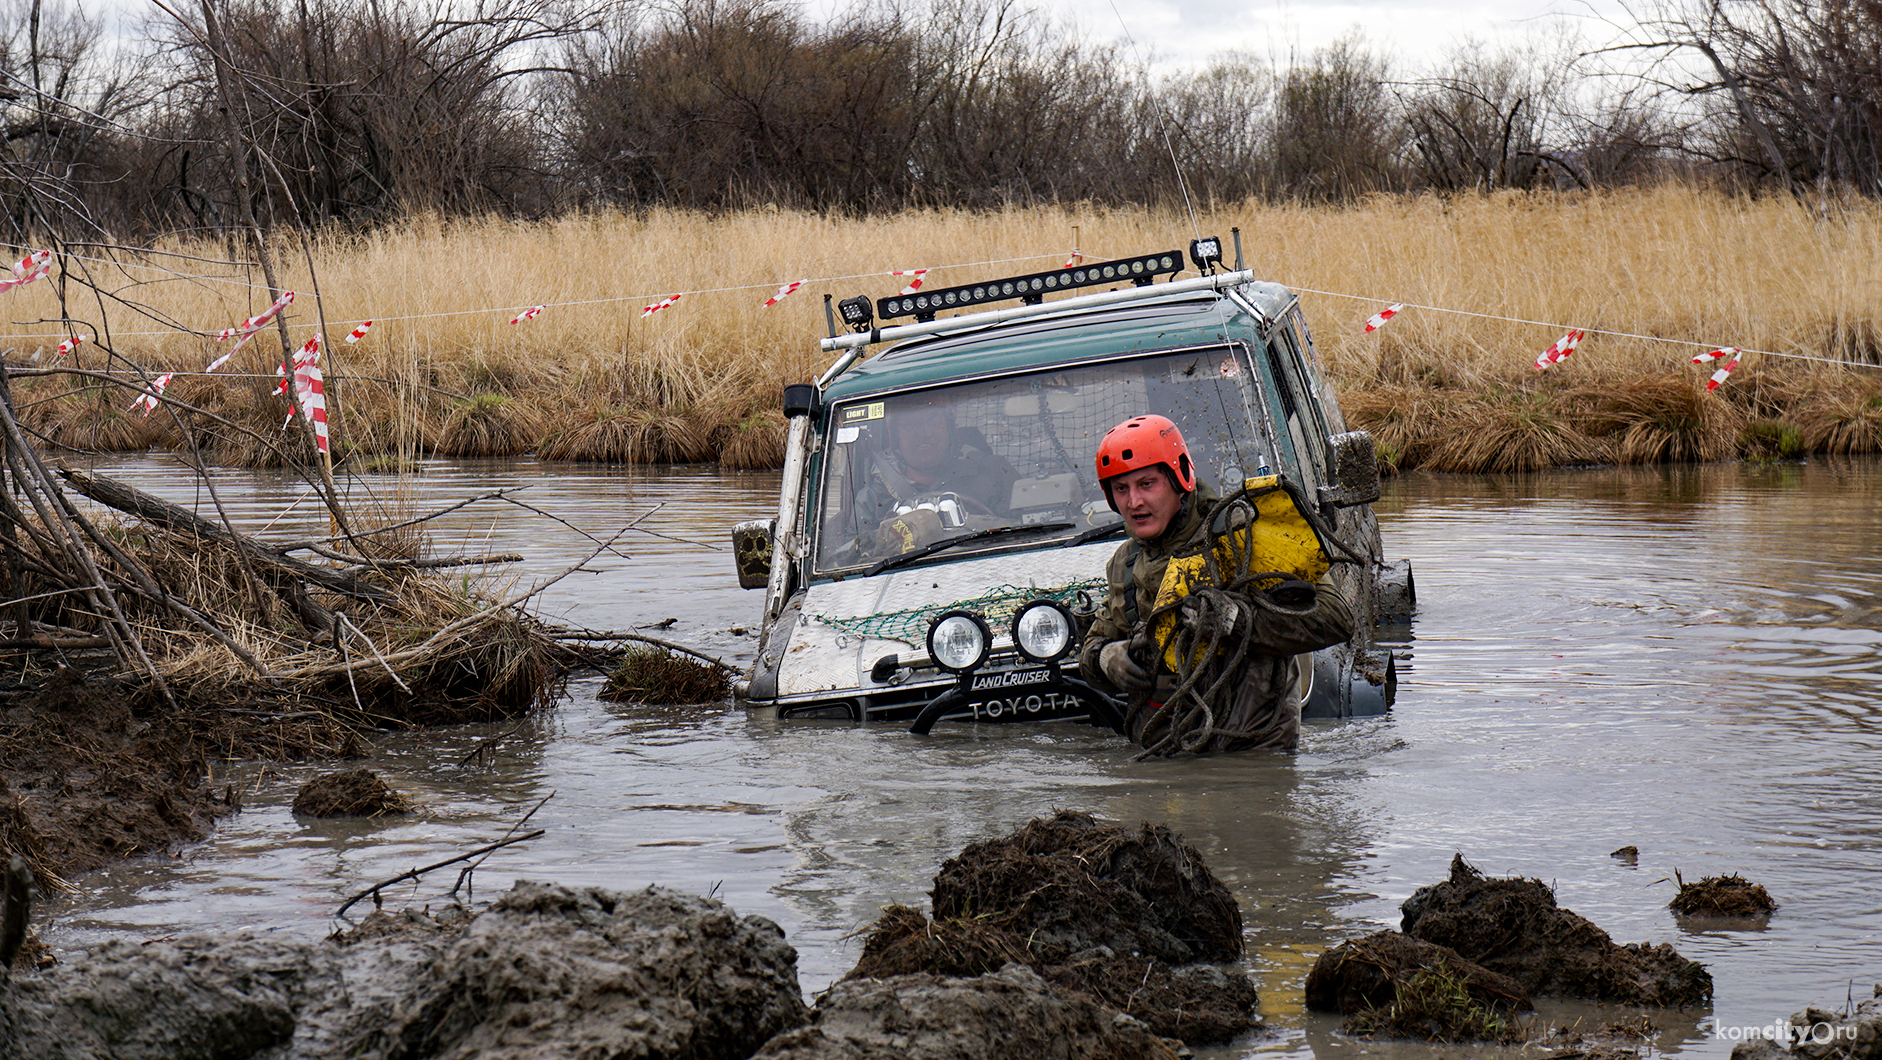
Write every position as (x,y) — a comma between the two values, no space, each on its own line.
(1208,670)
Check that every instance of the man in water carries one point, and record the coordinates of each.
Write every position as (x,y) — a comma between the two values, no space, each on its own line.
(1145,470)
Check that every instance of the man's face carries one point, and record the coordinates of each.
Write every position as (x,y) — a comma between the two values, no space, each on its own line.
(924,437)
(1147,501)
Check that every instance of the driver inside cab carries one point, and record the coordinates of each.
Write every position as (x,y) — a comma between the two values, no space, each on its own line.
(930,481)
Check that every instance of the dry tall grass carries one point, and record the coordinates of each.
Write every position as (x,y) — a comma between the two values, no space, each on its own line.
(1658,274)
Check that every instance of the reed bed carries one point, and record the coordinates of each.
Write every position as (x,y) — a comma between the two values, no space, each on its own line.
(1655,274)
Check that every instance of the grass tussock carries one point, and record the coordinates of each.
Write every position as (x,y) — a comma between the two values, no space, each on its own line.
(490,425)
(1721,896)
(655,675)
(1661,272)
(757,441)
(616,435)
(94,421)
(1435,1005)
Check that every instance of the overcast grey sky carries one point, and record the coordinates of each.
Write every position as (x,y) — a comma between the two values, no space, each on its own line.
(1415,32)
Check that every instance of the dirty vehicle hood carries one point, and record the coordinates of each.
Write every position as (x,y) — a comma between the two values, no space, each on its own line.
(845,626)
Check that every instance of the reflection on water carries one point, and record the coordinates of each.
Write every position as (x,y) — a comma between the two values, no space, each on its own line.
(1683,660)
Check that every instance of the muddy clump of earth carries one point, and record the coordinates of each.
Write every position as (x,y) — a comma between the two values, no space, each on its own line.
(1513,927)
(1131,919)
(545,971)
(1722,896)
(86,780)
(349,793)
(1009,1013)
(1818,1034)
(1393,985)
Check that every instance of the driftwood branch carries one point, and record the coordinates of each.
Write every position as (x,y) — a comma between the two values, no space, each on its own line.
(373,891)
(133,501)
(16,909)
(362,565)
(591,635)
(292,546)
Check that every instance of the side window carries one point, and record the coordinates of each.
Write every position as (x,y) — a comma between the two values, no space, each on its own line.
(1315,373)
(1306,423)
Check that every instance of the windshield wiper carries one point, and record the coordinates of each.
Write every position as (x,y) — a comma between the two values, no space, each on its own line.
(1095,533)
(978,535)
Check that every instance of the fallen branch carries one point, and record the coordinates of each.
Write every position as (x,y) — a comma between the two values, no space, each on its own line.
(591,635)
(293,546)
(362,565)
(41,643)
(131,500)
(373,891)
(464,875)
(16,910)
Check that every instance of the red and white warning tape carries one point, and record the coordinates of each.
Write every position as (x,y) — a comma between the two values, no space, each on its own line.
(914,284)
(248,326)
(1719,376)
(1377,320)
(1559,352)
(358,333)
(647,311)
(70,344)
(1075,259)
(246,329)
(310,389)
(27,269)
(784,292)
(528,314)
(149,397)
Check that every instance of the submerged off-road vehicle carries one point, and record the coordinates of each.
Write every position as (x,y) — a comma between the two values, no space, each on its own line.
(941,536)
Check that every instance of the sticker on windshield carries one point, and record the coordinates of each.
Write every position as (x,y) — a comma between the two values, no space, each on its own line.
(871,411)
(848,434)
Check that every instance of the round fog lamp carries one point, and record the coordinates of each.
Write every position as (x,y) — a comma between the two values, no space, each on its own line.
(958,641)
(1042,630)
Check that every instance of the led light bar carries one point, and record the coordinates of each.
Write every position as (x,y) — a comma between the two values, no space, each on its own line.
(923,305)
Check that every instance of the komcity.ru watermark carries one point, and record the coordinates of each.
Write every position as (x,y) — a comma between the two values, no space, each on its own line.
(1819,1033)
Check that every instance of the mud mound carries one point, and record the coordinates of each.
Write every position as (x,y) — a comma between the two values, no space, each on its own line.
(1513,927)
(545,972)
(1071,884)
(1116,916)
(85,781)
(1432,1005)
(903,940)
(1199,1003)
(997,1016)
(1821,1034)
(1721,896)
(650,973)
(1372,973)
(349,793)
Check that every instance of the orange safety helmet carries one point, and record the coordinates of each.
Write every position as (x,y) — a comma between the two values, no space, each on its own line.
(1143,441)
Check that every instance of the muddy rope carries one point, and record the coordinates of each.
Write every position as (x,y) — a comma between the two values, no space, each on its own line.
(1208,670)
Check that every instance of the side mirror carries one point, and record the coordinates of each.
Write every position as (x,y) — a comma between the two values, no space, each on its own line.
(751,550)
(1354,471)
(801,399)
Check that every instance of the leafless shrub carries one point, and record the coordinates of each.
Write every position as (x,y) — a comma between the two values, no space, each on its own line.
(1335,126)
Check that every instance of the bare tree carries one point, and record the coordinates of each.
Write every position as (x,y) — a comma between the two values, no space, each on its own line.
(1335,133)
(361,113)
(64,108)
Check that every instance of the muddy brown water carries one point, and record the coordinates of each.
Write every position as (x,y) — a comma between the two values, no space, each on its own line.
(1684,660)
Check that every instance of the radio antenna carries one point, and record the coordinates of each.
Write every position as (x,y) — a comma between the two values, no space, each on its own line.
(1163,123)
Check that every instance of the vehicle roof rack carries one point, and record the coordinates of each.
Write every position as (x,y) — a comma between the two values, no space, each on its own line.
(852,345)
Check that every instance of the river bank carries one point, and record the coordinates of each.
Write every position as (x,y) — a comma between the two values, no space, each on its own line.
(450,367)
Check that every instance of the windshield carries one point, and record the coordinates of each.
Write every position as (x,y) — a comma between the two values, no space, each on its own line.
(902,472)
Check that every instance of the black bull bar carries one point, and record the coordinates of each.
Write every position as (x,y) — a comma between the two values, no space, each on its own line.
(1039,681)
